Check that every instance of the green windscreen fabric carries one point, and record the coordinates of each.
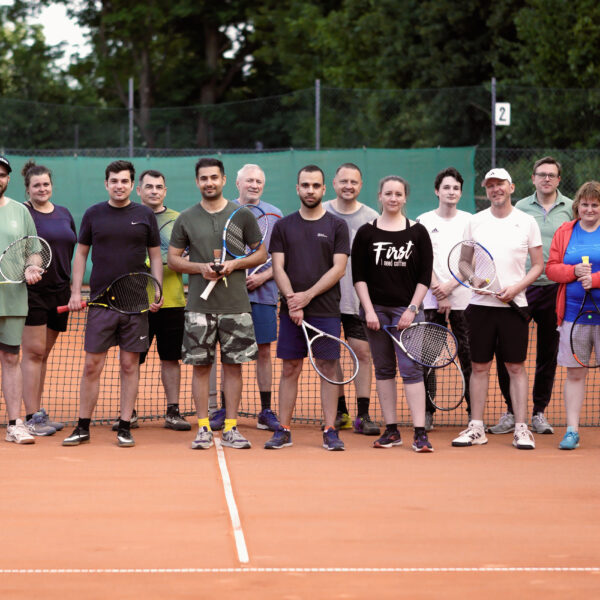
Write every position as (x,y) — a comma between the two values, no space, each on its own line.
(79,181)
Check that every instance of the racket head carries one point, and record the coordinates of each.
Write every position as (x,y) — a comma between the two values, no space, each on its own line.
(131,293)
(165,238)
(585,334)
(472,265)
(428,344)
(445,388)
(233,234)
(22,253)
(331,357)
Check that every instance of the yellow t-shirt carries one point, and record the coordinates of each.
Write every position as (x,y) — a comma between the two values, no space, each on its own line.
(172,282)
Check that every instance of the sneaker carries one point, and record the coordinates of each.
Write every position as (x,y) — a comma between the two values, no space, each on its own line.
(19,433)
(506,424)
(38,425)
(523,440)
(267,419)
(421,443)
(471,436)
(365,426)
(539,424)
(79,436)
(331,440)
(343,421)
(388,439)
(174,420)
(428,421)
(281,438)
(125,439)
(234,439)
(217,419)
(204,439)
(133,424)
(58,426)
(570,441)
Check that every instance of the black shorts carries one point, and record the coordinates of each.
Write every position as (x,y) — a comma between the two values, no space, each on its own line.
(167,326)
(42,309)
(354,327)
(490,326)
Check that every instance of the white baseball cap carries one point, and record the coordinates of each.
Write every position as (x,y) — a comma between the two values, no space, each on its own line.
(496,174)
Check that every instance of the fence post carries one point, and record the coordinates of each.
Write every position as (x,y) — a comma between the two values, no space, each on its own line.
(493,122)
(317,114)
(130,109)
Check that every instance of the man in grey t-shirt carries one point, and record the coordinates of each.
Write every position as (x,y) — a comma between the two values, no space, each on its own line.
(347,184)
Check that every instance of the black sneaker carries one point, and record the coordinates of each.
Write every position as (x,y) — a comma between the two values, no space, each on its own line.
(79,436)
(133,423)
(388,439)
(174,420)
(125,439)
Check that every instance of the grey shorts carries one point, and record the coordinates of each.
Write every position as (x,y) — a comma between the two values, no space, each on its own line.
(565,354)
(106,328)
(11,333)
(233,332)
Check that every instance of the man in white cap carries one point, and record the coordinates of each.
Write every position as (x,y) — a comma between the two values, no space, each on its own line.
(510,235)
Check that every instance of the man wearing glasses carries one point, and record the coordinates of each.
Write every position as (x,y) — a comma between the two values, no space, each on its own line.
(550,209)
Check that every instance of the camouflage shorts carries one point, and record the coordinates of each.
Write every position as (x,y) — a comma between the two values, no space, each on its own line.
(234,332)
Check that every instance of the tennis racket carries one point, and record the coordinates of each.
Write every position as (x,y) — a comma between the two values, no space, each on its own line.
(445,387)
(129,294)
(473,266)
(428,344)
(272,218)
(326,352)
(28,251)
(585,332)
(261,267)
(233,240)
(165,238)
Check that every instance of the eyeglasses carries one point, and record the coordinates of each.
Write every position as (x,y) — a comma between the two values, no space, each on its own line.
(549,176)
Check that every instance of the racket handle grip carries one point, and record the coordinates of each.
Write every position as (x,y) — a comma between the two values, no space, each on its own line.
(524,315)
(65,307)
(208,289)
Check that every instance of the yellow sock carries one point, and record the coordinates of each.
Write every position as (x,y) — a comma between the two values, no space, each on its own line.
(204,423)
(229,425)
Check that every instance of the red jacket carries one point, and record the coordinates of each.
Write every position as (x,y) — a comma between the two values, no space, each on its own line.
(561,273)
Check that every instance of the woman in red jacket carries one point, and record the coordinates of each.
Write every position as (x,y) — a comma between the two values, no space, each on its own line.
(566,265)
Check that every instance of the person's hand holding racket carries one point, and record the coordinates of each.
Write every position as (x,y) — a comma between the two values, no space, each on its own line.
(583,272)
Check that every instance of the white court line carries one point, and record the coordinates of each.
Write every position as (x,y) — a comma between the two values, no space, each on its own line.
(238,532)
(250,570)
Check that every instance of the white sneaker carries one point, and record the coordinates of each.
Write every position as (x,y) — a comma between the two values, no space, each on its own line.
(523,439)
(19,434)
(471,436)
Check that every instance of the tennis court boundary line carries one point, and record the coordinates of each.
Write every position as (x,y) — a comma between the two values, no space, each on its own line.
(266,570)
(234,515)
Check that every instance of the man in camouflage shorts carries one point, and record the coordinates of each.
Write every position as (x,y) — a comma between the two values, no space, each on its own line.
(224,317)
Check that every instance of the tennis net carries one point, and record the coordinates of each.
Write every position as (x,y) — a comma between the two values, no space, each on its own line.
(61,393)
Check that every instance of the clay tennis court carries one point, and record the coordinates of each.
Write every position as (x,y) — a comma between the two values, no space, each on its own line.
(160,521)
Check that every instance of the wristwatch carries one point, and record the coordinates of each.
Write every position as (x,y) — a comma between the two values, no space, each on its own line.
(413,308)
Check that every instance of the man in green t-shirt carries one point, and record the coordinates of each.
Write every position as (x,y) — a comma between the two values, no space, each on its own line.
(15,222)
(225,315)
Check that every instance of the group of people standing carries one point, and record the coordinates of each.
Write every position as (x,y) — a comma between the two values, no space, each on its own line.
(336,265)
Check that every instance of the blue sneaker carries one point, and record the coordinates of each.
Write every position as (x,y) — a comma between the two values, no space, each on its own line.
(331,440)
(267,419)
(281,438)
(217,420)
(570,441)
(421,443)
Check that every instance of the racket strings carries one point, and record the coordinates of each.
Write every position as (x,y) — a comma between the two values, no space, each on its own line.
(585,341)
(24,253)
(430,344)
(472,264)
(445,388)
(133,293)
(234,239)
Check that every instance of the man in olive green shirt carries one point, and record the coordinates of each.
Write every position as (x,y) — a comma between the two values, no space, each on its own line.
(550,209)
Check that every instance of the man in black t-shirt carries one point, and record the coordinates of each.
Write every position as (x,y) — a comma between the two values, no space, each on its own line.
(309,249)
(121,233)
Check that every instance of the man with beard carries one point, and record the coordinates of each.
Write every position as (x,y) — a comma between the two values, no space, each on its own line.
(310,291)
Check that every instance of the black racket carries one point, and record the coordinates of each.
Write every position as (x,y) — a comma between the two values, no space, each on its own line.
(445,387)
(473,266)
(165,238)
(233,240)
(331,357)
(428,344)
(585,332)
(129,294)
(27,252)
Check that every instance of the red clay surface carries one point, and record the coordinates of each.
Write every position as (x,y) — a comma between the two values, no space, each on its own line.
(161,506)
